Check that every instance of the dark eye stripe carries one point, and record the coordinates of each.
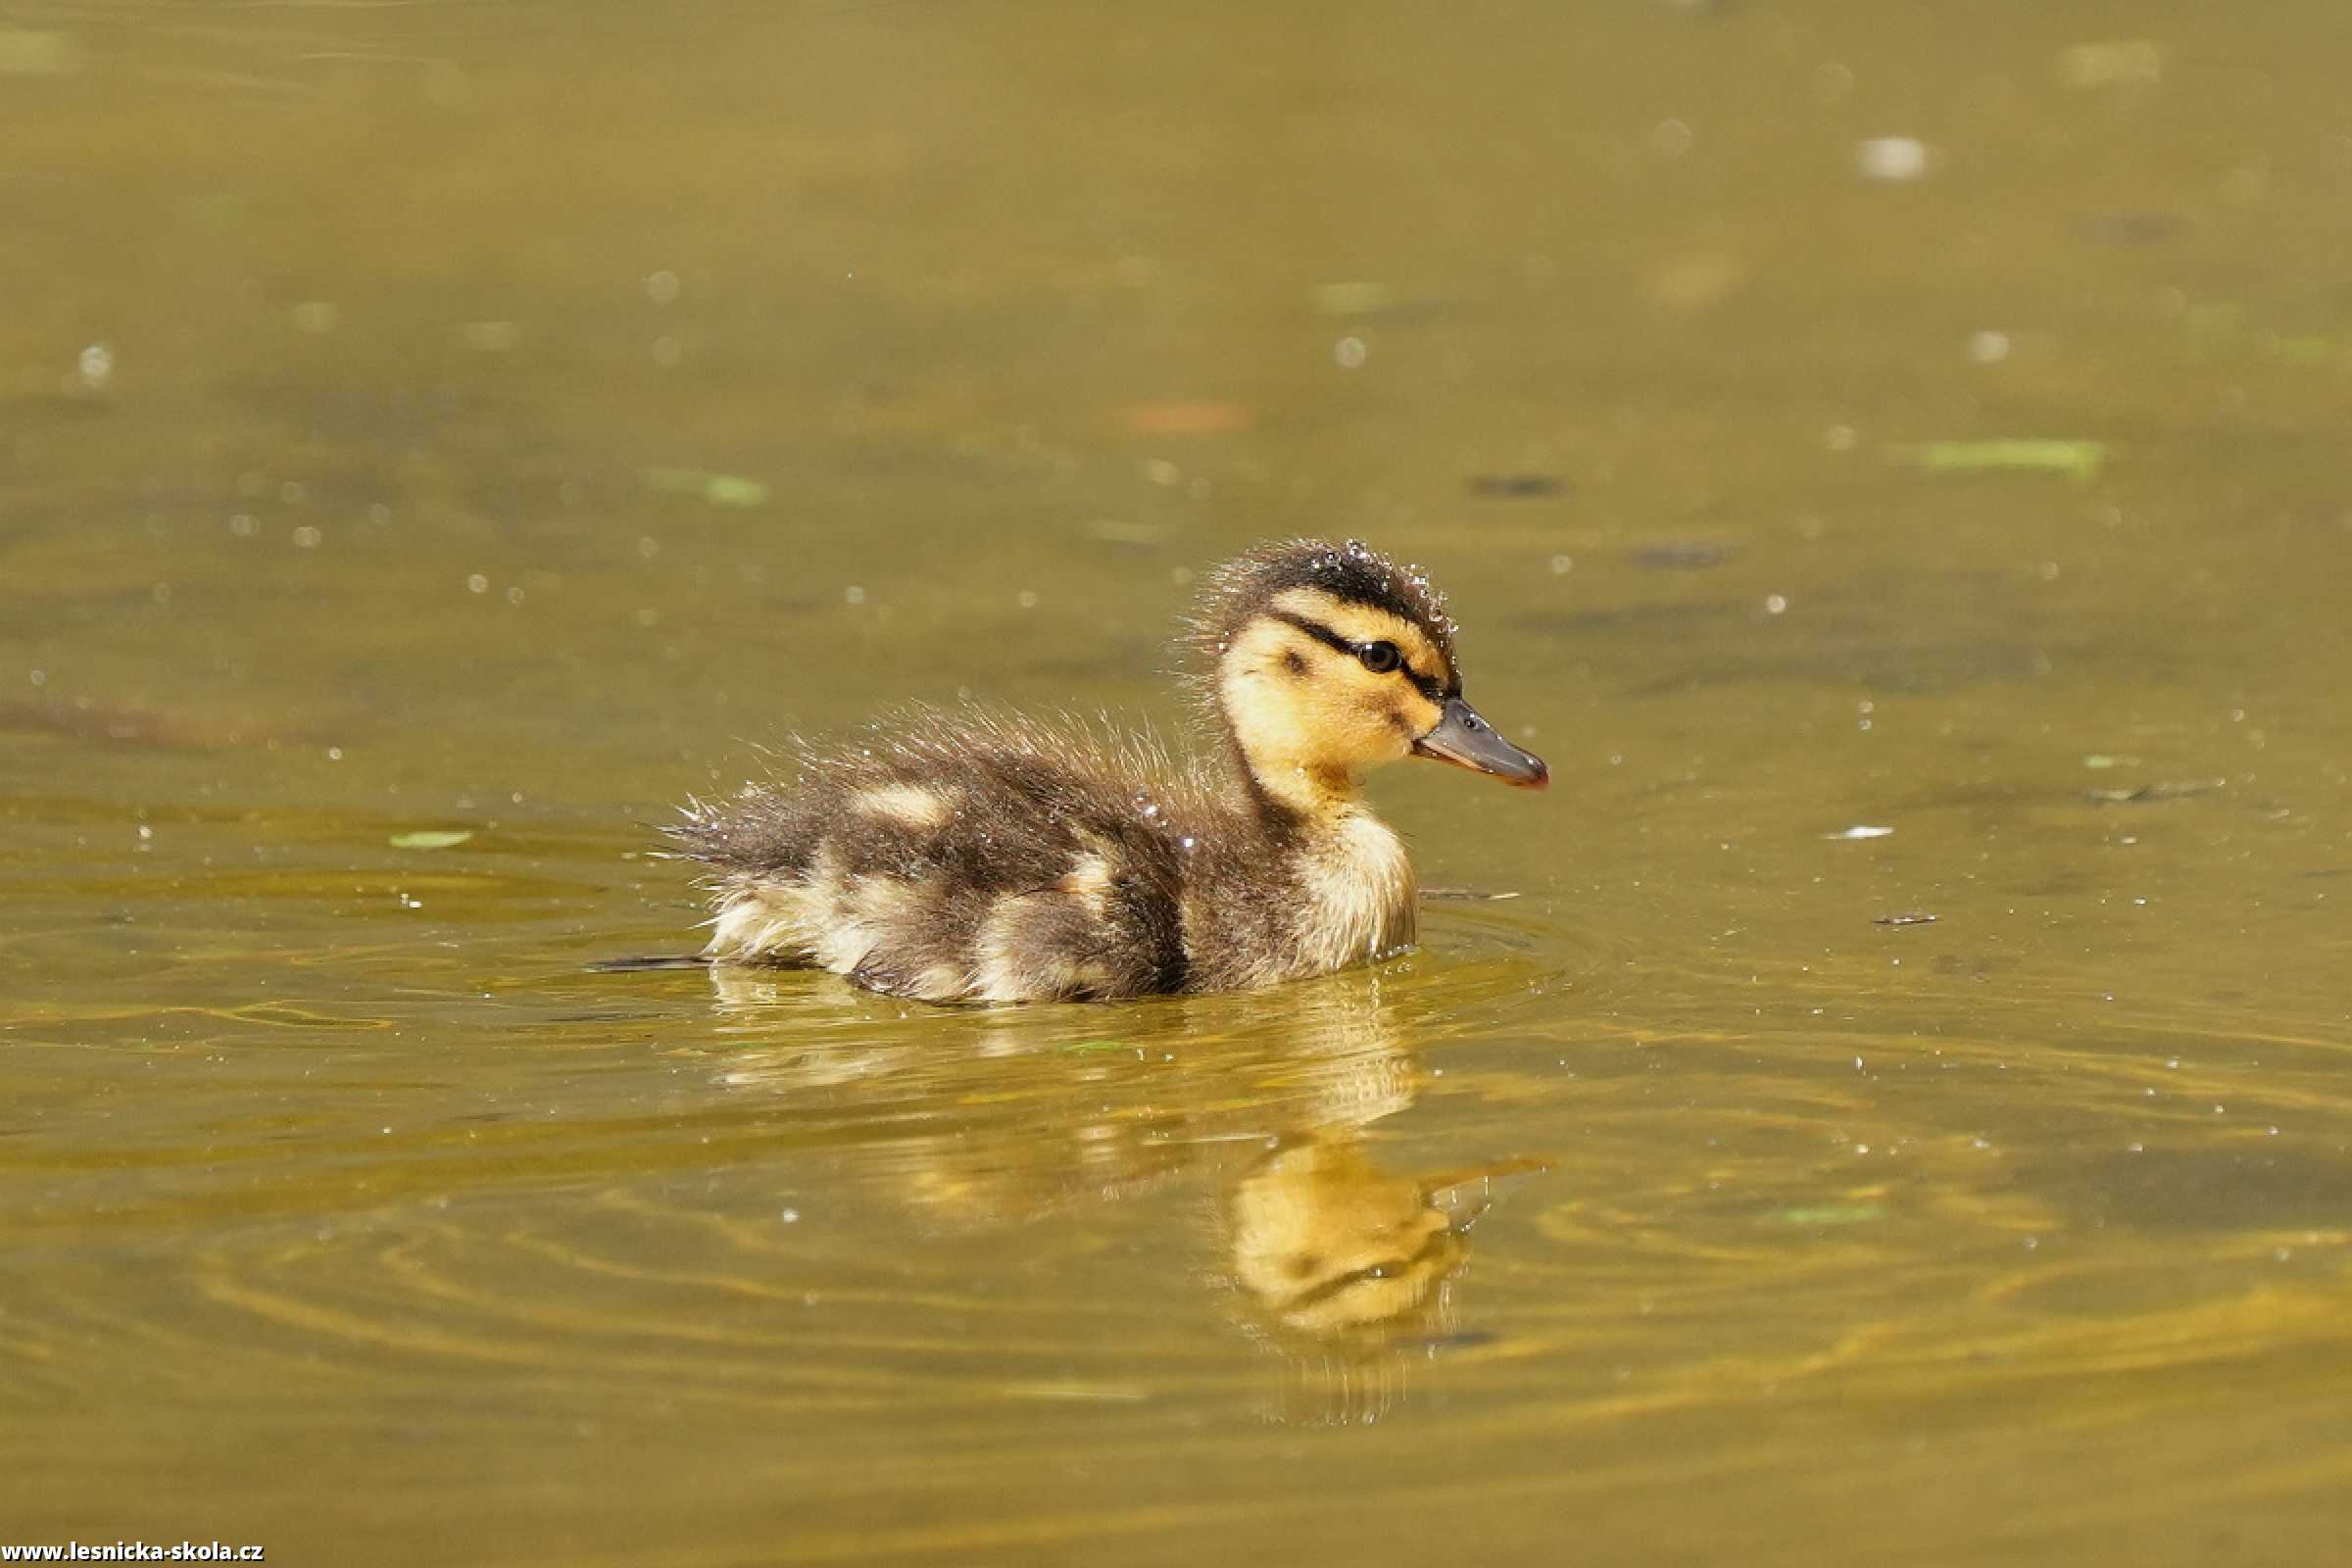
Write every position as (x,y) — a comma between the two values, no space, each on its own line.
(1426,685)
(1318,630)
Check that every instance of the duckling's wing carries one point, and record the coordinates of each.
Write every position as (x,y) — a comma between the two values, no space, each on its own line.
(972,858)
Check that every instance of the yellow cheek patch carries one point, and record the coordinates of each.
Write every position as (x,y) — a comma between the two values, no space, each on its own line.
(1294,701)
(1421,715)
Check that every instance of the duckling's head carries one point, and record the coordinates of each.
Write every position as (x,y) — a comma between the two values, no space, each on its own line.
(1327,661)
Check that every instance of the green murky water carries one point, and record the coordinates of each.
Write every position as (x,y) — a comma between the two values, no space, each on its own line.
(499,419)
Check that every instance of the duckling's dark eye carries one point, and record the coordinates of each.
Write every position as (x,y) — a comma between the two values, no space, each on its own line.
(1380,658)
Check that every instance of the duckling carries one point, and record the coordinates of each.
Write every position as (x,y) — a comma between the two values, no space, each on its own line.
(983,858)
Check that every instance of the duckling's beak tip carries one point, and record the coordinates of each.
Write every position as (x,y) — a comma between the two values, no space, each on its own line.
(1464,739)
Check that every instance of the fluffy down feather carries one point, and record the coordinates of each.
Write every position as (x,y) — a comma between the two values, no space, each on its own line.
(993,859)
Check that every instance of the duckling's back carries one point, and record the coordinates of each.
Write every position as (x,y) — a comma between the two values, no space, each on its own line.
(962,860)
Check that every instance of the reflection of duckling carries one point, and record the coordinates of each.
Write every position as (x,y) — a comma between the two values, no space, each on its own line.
(1326,1240)
(999,860)
(1244,1115)
(1022,1114)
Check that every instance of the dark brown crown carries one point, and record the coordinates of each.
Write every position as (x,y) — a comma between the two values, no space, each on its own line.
(1352,570)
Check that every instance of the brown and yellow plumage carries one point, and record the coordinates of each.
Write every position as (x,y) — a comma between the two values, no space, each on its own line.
(957,859)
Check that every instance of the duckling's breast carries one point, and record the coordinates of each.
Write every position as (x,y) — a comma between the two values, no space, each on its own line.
(1271,908)
(1358,895)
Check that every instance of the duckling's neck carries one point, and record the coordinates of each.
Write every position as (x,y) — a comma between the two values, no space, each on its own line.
(1352,876)
(1290,797)
(1353,880)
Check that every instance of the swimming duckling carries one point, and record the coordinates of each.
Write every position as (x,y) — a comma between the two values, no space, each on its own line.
(953,859)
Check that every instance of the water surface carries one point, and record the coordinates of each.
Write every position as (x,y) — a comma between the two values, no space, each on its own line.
(503,420)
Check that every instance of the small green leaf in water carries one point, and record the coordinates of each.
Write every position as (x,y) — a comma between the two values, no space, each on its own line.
(2080,460)
(719,489)
(429,839)
(1828,1214)
(1353,298)
(33,52)
(2309,347)
(2121,63)
(2161,789)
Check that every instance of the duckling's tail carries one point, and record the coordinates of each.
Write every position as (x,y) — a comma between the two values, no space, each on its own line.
(658,960)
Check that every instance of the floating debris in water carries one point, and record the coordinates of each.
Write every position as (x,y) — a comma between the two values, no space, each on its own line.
(35,52)
(2304,348)
(1696,282)
(1186,417)
(2164,790)
(1828,1214)
(2135,228)
(94,368)
(1352,298)
(2098,760)
(719,489)
(1680,555)
(1907,917)
(1860,831)
(2123,62)
(489,337)
(1516,486)
(2080,460)
(84,718)
(1892,160)
(430,838)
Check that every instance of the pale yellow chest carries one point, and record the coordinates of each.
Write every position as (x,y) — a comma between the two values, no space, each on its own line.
(1358,894)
